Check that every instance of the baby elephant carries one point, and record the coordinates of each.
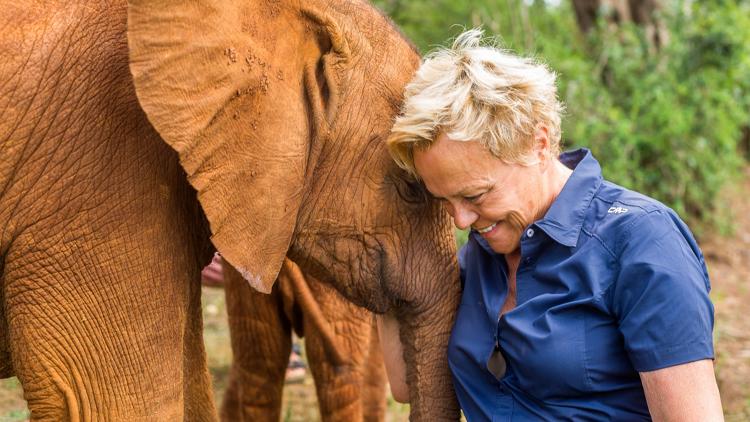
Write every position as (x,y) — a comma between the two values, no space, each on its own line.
(340,340)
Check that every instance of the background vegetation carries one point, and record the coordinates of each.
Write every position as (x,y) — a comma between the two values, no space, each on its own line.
(665,119)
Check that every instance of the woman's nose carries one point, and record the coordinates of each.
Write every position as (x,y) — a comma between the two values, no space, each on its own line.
(463,217)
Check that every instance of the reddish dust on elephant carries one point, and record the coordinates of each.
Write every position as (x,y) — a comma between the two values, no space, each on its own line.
(138,137)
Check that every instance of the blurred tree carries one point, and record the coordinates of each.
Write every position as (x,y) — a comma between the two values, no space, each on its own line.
(616,12)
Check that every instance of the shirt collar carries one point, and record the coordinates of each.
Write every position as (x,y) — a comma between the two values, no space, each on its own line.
(564,219)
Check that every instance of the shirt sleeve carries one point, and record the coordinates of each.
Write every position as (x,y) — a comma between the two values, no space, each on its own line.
(660,297)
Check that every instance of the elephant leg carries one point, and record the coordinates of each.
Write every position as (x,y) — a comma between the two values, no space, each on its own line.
(105,324)
(342,389)
(101,237)
(261,343)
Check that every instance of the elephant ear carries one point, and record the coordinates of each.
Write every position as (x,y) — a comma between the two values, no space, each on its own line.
(238,89)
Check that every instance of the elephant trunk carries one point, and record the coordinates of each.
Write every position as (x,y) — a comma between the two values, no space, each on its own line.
(425,335)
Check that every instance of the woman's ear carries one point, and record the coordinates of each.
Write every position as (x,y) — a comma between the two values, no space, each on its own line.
(542,144)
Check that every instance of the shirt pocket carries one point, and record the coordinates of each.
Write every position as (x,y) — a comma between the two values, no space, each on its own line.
(549,354)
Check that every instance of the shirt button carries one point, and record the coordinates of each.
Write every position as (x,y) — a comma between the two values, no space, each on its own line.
(530,233)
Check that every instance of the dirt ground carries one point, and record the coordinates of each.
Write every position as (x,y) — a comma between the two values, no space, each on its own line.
(728,260)
(729,267)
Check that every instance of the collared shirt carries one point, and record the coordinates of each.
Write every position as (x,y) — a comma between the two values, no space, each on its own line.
(610,283)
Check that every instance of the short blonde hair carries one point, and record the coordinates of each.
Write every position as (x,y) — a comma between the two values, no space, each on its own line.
(473,92)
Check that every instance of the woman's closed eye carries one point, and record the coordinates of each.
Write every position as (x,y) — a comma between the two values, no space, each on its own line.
(474,198)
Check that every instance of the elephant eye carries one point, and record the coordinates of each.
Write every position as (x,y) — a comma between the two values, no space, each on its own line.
(411,191)
(322,82)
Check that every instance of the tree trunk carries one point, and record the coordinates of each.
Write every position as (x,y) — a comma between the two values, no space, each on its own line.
(616,12)
(589,11)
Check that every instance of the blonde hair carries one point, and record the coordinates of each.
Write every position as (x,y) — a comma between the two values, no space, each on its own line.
(473,92)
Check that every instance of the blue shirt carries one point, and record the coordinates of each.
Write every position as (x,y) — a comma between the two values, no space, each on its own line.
(610,283)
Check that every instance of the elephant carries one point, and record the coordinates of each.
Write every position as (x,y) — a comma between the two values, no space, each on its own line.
(139,137)
(341,342)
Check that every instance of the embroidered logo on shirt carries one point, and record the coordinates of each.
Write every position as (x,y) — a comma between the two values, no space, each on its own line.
(617,210)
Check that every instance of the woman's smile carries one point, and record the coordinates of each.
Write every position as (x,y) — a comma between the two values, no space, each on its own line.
(500,236)
(486,229)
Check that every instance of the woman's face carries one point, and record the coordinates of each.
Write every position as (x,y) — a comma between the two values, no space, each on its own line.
(479,191)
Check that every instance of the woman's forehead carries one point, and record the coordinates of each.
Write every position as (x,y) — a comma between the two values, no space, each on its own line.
(452,168)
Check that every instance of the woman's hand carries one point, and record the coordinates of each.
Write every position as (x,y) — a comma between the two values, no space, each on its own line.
(393,355)
(686,392)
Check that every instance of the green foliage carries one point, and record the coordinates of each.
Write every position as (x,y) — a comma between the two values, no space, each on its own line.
(462,236)
(665,122)
(668,123)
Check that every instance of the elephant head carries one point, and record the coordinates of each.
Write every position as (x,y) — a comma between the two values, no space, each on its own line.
(279,112)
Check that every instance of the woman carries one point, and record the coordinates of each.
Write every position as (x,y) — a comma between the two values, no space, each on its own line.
(582,300)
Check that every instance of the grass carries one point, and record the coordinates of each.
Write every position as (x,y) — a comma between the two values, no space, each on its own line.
(12,404)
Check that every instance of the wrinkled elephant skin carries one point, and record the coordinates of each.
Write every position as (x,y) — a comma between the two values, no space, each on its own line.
(256,126)
(101,236)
